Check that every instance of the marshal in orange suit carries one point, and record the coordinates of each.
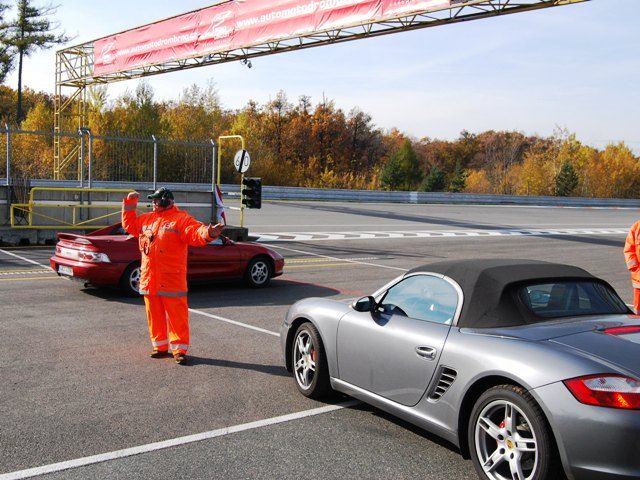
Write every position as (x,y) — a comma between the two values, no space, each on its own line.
(163,237)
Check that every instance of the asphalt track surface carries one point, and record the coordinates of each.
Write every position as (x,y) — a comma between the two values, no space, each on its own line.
(82,399)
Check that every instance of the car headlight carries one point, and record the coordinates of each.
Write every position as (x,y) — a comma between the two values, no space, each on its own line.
(93,257)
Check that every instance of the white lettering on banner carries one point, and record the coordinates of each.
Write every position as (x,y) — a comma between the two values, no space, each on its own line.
(233,24)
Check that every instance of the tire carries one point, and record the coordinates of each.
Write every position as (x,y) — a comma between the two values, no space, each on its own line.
(309,362)
(258,273)
(525,451)
(130,281)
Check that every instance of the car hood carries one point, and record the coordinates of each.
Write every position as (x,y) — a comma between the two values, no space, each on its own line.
(585,334)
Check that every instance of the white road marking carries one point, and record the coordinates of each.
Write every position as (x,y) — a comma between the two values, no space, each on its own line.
(337,258)
(28,260)
(233,322)
(175,442)
(383,234)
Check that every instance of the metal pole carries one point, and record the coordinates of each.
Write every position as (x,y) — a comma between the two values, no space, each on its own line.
(214,202)
(90,135)
(6,126)
(155,161)
(81,160)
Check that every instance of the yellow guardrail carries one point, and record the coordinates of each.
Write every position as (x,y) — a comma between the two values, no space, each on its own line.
(29,211)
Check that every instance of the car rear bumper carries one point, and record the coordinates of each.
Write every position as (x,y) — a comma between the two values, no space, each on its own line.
(279,267)
(595,443)
(95,273)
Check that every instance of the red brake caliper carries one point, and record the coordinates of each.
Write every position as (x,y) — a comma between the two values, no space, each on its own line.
(314,355)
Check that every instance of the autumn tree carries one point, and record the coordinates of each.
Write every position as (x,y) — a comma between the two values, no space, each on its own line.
(477,182)
(30,31)
(498,152)
(32,153)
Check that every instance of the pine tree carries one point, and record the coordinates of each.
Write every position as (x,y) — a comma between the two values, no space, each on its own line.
(31,30)
(566,180)
(459,179)
(392,174)
(435,181)
(6,54)
(402,170)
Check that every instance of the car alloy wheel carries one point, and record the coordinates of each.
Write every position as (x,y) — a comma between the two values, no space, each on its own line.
(509,437)
(258,272)
(130,280)
(309,363)
(134,279)
(505,442)
(305,357)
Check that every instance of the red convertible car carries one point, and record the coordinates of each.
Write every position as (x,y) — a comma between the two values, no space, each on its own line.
(110,257)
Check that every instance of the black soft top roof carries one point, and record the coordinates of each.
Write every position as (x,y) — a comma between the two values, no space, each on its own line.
(488,302)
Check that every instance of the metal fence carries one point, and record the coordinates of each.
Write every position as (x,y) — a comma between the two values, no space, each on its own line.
(29,154)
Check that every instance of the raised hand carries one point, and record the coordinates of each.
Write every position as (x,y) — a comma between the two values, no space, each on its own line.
(133,196)
(215,230)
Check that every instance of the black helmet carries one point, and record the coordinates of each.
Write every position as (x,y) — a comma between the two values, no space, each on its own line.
(161,193)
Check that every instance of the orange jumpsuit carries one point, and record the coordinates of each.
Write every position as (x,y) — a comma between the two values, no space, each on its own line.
(632,257)
(163,238)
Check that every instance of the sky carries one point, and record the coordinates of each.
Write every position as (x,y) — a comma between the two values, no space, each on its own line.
(574,67)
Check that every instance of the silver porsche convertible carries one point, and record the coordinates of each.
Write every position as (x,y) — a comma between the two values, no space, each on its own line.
(531,368)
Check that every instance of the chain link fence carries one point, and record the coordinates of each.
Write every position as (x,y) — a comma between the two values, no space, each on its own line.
(29,155)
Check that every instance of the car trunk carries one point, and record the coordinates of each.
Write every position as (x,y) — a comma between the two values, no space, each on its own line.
(621,349)
(70,245)
(586,334)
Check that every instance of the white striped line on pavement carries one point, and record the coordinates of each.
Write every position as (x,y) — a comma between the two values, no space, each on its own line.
(316,260)
(363,235)
(233,322)
(175,442)
(28,260)
(313,254)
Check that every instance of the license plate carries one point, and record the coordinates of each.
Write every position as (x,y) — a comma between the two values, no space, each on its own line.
(64,270)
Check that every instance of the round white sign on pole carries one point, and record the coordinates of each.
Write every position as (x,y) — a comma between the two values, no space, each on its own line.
(242,161)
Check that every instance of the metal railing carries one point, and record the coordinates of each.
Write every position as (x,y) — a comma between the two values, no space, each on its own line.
(107,158)
(88,209)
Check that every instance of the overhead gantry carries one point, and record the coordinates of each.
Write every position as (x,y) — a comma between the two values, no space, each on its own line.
(78,67)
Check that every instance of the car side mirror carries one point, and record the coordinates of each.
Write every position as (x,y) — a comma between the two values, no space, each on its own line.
(365,304)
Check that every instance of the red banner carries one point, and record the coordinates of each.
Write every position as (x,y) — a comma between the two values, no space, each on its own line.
(241,23)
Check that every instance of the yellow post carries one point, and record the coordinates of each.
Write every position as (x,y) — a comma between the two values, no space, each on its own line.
(228,137)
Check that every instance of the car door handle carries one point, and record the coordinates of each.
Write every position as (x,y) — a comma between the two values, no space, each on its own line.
(426,352)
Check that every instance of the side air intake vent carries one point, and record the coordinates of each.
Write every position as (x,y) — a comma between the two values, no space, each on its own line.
(446,379)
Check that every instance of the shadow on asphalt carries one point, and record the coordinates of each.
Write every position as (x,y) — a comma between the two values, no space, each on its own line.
(276,370)
(279,292)
(387,215)
(406,425)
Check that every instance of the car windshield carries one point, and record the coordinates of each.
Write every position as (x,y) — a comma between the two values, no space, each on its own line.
(571,298)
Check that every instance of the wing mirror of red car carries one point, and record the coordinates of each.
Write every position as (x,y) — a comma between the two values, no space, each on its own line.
(365,304)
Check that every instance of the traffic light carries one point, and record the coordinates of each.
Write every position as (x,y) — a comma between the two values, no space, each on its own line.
(252,192)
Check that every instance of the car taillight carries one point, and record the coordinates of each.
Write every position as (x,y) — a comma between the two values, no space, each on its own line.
(606,390)
(622,330)
(93,257)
